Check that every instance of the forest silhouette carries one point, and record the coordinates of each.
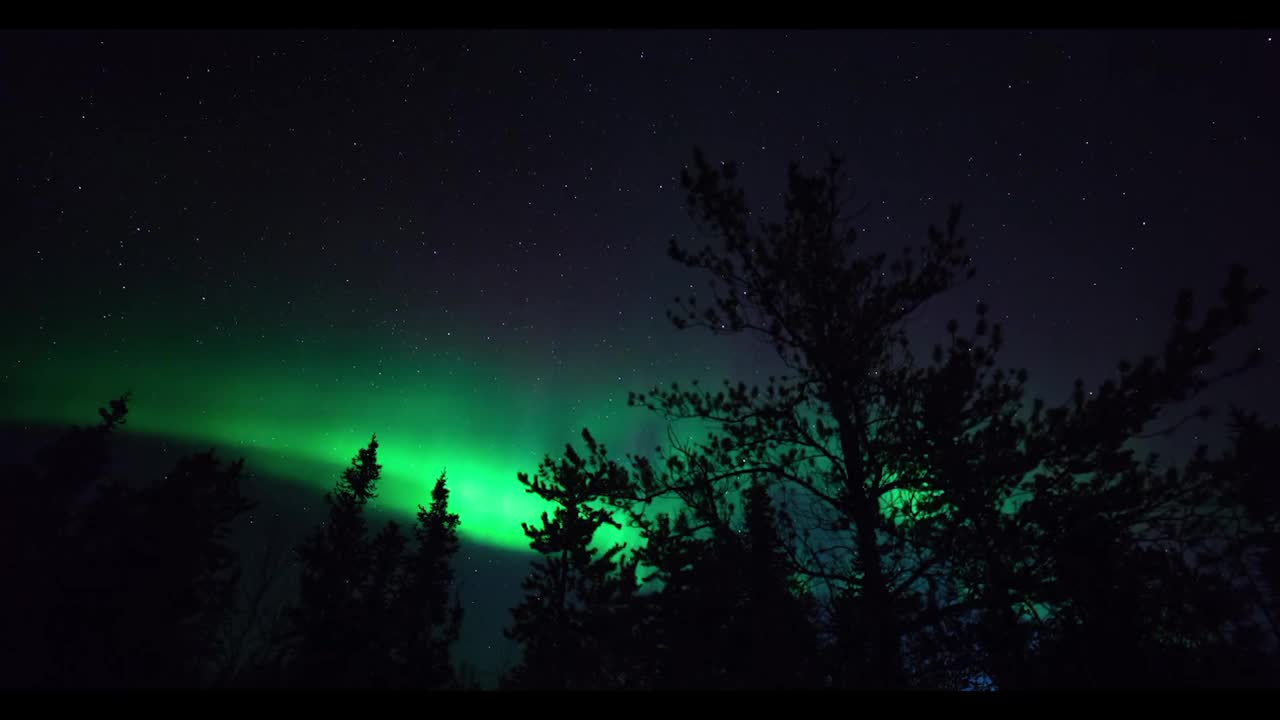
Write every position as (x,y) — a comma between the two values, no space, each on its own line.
(868,519)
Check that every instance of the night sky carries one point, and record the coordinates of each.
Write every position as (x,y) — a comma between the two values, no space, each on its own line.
(283,242)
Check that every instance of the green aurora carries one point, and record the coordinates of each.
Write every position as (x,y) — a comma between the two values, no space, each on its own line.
(308,403)
(297,406)
(289,405)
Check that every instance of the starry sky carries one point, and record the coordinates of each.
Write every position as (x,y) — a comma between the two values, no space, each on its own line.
(283,242)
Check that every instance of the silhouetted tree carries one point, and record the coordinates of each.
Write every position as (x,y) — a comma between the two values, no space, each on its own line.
(1120,554)
(959,533)
(164,589)
(727,612)
(682,618)
(836,318)
(131,586)
(329,632)
(426,617)
(125,586)
(1251,483)
(775,626)
(574,624)
(374,612)
(382,588)
(37,542)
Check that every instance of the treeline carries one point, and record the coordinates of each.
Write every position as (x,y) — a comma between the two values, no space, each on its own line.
(112,584)
(869,520)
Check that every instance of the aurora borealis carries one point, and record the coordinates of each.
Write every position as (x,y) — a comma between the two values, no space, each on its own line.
(279,406)
(285,242)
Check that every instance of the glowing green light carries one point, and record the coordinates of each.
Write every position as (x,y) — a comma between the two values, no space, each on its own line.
(284,410)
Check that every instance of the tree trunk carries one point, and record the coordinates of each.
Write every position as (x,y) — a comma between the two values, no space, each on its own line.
(886,656)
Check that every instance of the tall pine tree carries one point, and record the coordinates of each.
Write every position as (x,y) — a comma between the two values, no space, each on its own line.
(328,632)
(428,613)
